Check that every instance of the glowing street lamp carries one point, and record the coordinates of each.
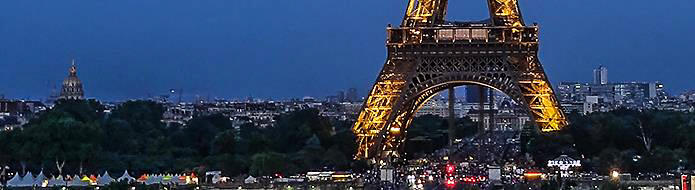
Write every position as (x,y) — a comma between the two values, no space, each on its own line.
(615,175)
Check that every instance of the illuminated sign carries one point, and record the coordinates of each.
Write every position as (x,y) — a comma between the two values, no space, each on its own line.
(684,182)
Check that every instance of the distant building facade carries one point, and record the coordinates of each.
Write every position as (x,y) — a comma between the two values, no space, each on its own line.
(602,95)
(601,75)
(439,107)
(16,113)
(605,97)
(352,96)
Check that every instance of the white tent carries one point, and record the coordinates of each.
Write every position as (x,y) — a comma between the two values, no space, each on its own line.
(250,179)
(77,182)
(216,178)
(27,181)
(56,182)
(168,179)
(154,179)
(14,182)
(177,180)
(104,180)
(41,180)
(126,177)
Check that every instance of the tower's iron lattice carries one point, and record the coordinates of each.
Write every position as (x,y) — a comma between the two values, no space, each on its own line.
(428,54)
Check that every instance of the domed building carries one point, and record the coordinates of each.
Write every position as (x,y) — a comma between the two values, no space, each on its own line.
(72,86)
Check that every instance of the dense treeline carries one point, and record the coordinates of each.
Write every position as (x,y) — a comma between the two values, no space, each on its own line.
(78,137)
(628,140)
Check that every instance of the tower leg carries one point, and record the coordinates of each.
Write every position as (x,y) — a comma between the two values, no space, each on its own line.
(452,116)
(481,105)
(412,75)
(493,124)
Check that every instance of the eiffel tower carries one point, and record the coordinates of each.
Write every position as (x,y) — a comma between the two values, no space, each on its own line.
(428,54)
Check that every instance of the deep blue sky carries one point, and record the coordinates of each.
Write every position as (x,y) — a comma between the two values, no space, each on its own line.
(279,49)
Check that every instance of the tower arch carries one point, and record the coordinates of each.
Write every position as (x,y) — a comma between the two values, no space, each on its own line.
(427,55)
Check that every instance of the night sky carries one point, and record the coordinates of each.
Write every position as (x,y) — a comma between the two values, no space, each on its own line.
(279,49)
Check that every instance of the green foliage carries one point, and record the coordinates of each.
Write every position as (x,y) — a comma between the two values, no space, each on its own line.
(299,126)
(69,133)
(200,133)
(133,137)
(633,141)
(268,163)
(224,142)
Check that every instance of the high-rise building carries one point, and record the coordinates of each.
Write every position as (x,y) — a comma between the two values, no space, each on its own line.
(601,75)
(340,96)
(573,91)
(72,86)
(352,95)
(630,93)
(656,89)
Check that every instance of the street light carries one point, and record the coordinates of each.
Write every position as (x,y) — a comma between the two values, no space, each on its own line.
(615,175)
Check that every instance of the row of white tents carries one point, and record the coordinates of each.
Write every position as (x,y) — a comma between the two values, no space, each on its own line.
(42,181)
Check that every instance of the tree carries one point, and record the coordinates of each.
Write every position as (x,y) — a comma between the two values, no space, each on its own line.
(299,126)
(345,142)
(252,140)
(224,142)
(268,163)
(229,164)
(77,137)
(68,134)
(200,132)
(334,158)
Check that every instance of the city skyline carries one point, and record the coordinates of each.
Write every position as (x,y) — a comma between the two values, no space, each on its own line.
(222,94)
(206,53)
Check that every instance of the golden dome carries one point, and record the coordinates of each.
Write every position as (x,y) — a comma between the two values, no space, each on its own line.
(72,86)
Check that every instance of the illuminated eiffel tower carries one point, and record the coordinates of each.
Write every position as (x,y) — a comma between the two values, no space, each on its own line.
(428,54)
